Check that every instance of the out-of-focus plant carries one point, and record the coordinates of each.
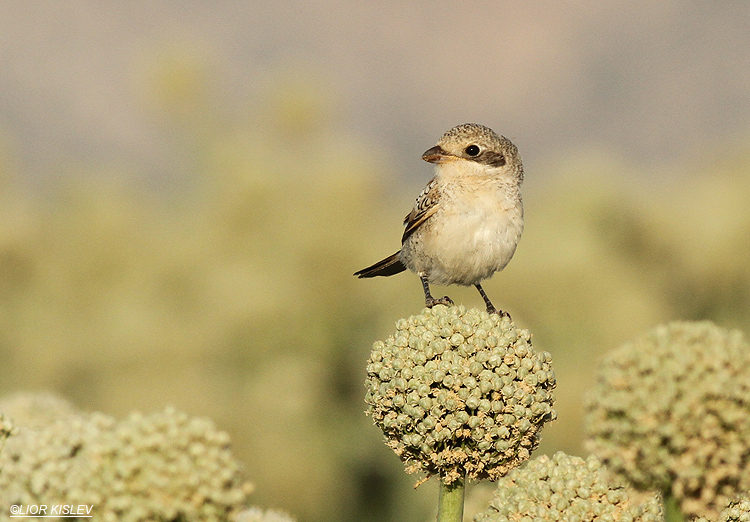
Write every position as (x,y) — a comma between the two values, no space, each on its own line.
(160,467)
(566,488)
(6,429)
(737,511)
(255,514)
(671,412)
(36,409)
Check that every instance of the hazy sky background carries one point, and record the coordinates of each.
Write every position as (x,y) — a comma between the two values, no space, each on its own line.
(646,81)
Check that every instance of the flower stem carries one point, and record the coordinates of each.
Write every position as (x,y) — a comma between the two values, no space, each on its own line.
(451,501)
(672,511)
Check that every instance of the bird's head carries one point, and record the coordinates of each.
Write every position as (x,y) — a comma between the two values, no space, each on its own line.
(472,145)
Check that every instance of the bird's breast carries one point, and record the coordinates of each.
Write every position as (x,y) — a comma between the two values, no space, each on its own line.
(474,236)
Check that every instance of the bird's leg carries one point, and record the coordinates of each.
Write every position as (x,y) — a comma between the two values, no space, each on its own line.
(430,301)
(490,307)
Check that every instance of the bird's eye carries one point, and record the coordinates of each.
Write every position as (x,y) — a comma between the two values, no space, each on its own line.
(472,150)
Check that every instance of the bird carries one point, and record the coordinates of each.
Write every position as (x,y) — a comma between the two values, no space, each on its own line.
(466,223)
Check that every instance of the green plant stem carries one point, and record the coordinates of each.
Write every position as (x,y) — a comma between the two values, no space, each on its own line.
(672,511)
(451,501)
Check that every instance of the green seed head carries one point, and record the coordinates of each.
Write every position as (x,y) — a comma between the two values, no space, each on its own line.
(569,489)
(477,412)
(165,466)
(671,411)
(737,511)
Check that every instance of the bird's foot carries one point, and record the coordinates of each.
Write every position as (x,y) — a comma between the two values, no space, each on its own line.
(501,313)
(431,301)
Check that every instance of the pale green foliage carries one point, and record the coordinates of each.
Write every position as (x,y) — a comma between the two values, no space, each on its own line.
(671,411)
(568,489)
(160,467)
(460,392)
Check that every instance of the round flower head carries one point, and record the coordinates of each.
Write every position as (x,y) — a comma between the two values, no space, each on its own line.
(567,489)
(737,511)
(671,412)
(460,392)
(41,464)
(164,466)
(255,514)
(35,409)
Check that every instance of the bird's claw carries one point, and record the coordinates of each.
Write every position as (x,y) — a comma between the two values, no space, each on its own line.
(445,300)
(501,313)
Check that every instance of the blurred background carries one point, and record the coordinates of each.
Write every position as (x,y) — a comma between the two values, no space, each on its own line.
(187,187)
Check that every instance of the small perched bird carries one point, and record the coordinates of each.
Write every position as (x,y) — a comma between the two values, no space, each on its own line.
(466,223)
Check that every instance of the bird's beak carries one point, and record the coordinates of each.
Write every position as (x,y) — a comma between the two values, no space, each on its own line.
(437,155)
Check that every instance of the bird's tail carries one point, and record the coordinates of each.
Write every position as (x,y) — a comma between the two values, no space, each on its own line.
(387,267)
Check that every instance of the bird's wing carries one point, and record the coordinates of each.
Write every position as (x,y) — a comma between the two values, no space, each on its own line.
(425,206)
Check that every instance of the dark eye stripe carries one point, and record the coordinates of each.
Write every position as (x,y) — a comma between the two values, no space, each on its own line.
(494,159)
